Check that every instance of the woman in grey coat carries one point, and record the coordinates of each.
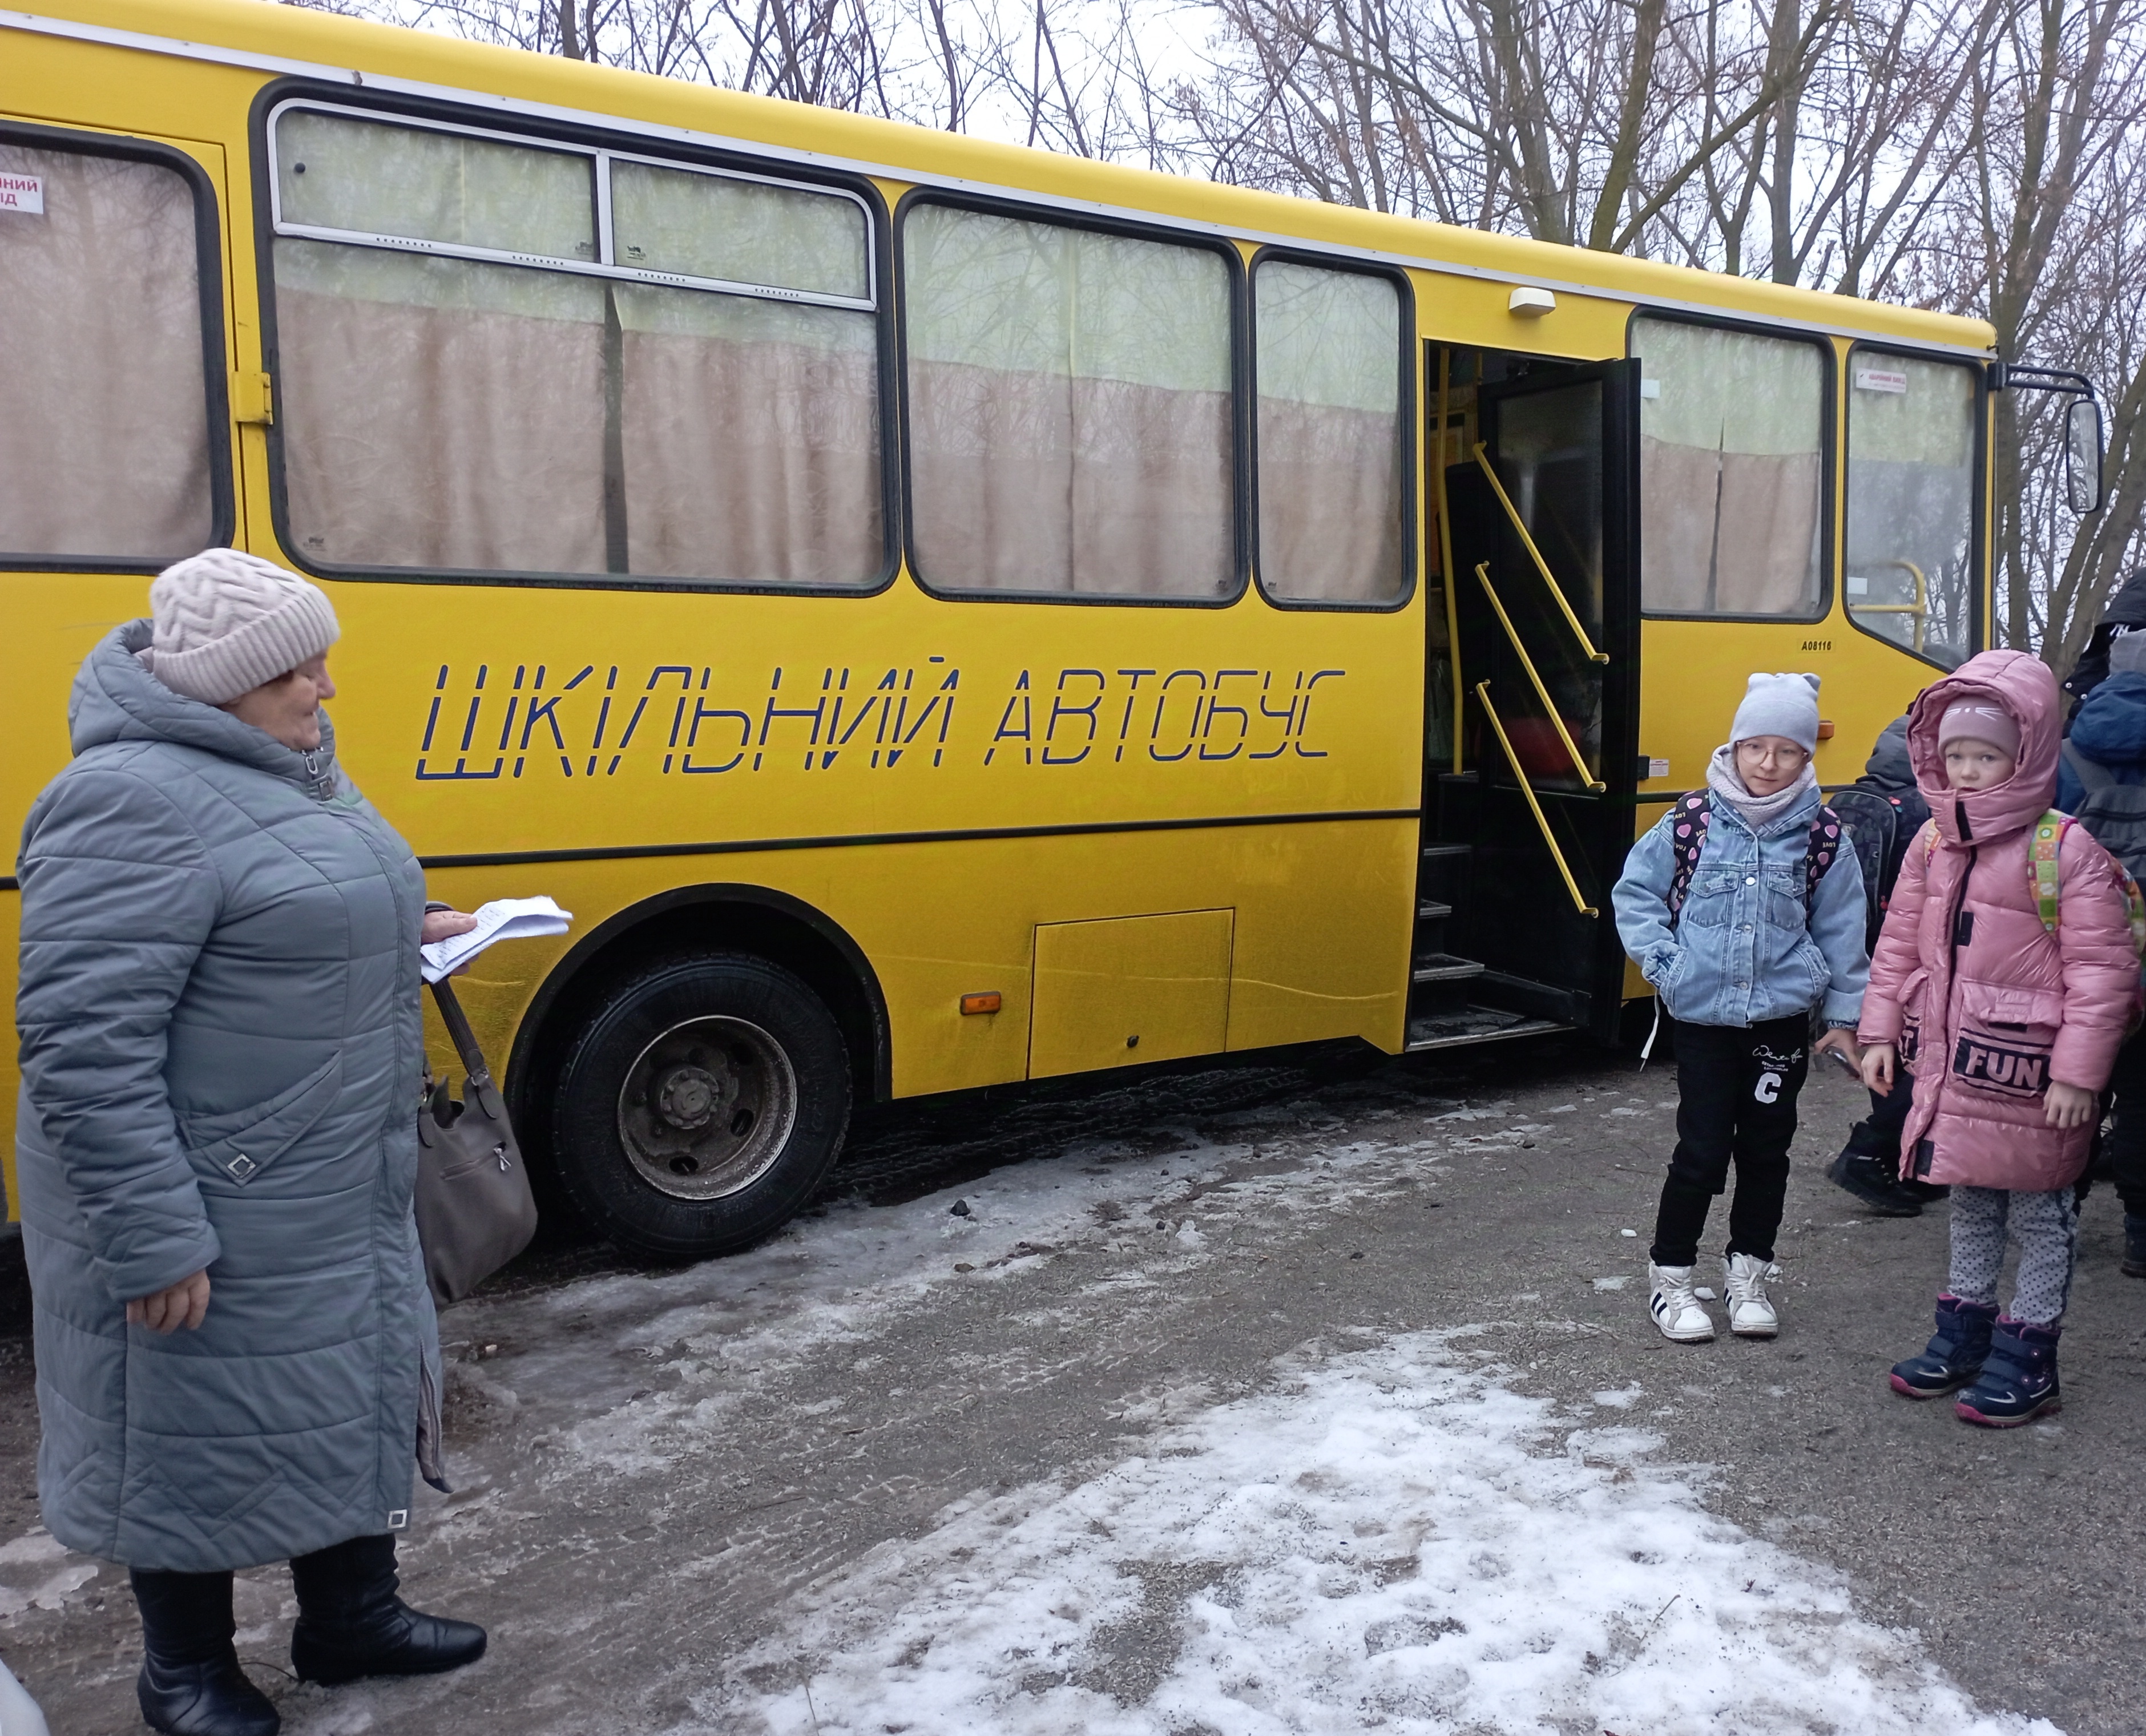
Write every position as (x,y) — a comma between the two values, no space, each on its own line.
(237,1361)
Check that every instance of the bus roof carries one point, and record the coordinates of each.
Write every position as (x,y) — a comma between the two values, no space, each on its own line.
(289,40)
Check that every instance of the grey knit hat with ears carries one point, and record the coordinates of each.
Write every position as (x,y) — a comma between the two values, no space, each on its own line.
(224,622)
(1778,704)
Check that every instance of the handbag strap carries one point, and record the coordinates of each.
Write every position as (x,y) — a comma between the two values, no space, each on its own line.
(458,1030)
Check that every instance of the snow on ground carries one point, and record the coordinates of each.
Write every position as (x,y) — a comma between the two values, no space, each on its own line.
(715,1328)
(1389,1539)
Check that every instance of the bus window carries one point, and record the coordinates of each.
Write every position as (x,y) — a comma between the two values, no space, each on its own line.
(1732,446)
(476,375)
(1911,466)
(335,172)
(104,409)
(738,231)
(1332,507)
(1070,409)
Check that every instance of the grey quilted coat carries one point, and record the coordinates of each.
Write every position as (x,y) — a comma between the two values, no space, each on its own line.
(221,1052)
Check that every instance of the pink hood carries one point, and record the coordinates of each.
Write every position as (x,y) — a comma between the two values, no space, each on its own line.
(2027,690)
(1988,1007)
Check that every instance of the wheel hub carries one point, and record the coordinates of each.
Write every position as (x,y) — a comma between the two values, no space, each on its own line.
(707,1108)
(689,1096)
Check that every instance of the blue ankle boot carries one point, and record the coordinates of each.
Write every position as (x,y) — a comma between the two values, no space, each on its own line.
(2134,1245)
(1955,1354)
(2019,1382)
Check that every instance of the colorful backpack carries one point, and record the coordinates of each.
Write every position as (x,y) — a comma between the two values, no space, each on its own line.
(2043,854)
(1687,838)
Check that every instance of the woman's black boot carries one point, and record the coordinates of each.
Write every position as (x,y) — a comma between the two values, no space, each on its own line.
(351,1624)
(190,1684)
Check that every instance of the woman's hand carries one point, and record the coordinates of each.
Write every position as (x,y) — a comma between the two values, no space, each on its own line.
(1877,1067)
(2071,1106)
(1842,1043)
(184,1304)
(444,925)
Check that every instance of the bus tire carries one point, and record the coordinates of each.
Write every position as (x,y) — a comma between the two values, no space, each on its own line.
(700,1102)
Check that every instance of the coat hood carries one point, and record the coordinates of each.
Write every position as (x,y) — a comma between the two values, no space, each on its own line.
(2109,726)
(116,699)
(2027,689)
(1890,770)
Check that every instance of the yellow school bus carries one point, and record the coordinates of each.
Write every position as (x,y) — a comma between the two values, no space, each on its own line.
(938,614)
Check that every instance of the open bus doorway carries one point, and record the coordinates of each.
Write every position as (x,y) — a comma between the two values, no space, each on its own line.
(1531,739)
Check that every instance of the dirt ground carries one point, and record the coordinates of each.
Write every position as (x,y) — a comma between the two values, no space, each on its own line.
(655,1473)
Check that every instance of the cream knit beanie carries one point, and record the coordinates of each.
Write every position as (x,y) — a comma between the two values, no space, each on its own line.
(226,622)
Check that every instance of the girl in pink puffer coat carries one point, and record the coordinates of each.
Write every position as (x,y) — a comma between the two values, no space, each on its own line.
(2010,1029)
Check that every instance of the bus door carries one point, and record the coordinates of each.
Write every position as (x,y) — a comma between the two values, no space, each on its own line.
(1545,543)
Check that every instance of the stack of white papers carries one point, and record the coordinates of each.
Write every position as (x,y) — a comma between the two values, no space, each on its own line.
(504,918)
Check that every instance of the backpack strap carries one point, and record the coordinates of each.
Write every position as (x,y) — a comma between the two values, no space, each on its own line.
(2042,855)
(1818,856)
(1688,823)
(2092,774)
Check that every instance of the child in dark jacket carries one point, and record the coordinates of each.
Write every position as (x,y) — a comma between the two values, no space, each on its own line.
(1868,1165)
(2108,730)
(1745,912)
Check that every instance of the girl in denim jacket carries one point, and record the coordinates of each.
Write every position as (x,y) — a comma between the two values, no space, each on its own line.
(1767,930)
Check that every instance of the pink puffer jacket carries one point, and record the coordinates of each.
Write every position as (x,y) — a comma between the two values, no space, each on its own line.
(1987,1005)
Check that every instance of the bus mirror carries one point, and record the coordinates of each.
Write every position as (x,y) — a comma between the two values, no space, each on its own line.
(2082,455)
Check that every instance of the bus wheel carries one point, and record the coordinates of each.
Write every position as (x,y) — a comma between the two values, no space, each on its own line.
(701,1101)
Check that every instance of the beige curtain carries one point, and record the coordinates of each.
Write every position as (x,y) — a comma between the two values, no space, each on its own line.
(1027,481)
(104,436)
(441,414)
(1728,533)
(750,436)
(1330,436)
(1070,409)
(436,413)
(1729,454)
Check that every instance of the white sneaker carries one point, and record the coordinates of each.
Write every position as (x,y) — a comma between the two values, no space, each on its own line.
(1676,1307)
(1751,1310)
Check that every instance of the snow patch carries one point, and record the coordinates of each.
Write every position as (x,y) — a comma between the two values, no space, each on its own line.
(1389,1538)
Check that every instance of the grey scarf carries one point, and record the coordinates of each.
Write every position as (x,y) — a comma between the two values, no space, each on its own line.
(1757,811)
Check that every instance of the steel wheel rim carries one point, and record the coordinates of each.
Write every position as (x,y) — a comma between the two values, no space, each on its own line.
(706,1108)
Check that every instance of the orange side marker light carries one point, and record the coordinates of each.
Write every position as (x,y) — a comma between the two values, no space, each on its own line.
(973,1004)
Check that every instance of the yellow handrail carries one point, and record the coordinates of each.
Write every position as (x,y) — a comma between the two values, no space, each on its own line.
(1557,856)
(1528,663)
(1446,558)
(1920,608)
(1542,566)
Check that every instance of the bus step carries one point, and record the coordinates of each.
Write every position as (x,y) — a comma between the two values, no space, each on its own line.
(1432,851)
(1431,911)
(1467,1024)
(1443,967)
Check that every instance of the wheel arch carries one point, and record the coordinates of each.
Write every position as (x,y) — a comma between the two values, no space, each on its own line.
(774,925)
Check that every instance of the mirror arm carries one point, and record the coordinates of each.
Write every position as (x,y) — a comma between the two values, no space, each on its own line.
(2013,376)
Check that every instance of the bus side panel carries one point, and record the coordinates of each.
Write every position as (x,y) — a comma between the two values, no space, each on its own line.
(1320,947)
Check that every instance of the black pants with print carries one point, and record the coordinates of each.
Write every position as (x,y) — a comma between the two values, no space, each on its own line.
(1736,1103)
(2126,1138)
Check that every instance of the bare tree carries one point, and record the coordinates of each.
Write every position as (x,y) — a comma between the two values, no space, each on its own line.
(1981,157)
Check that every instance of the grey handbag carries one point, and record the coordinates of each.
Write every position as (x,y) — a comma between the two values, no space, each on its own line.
(475,1211)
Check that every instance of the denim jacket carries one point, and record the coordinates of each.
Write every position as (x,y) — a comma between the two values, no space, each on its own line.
(1741,950)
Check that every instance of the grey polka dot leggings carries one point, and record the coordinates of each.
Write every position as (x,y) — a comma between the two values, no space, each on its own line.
(2047,1227)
